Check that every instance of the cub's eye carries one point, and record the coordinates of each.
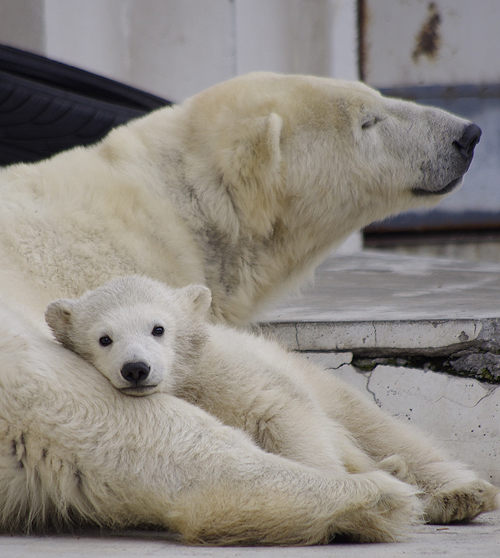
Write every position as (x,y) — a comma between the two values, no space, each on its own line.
(158,331)
(104,341)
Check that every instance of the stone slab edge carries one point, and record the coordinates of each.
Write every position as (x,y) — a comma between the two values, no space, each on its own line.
(465,347)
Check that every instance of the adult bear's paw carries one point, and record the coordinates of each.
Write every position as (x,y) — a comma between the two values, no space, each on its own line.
(456,501)
(387,507)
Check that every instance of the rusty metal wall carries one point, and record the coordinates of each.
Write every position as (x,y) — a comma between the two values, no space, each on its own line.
(444,53)
(430,42)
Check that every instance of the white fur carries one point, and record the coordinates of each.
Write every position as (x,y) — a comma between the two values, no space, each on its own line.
(252,384)
(244,188)
(245,381)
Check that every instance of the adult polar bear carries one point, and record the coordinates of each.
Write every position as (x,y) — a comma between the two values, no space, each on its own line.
(243,188)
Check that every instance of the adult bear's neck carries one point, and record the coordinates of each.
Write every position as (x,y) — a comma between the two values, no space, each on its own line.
(246,271)
(248,258)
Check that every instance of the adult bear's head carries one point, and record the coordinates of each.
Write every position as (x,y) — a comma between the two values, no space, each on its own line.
(307,151)
(271,172)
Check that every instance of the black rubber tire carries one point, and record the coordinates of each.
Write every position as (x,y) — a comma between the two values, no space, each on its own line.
(47,107)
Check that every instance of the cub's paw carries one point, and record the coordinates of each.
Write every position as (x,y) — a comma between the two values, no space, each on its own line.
(460,501)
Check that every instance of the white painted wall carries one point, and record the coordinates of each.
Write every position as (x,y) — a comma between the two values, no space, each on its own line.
(92,35)
(175,48)
(297,36)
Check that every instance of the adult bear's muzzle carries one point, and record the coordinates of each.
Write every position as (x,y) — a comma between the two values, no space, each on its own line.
(467,143)
(465,146)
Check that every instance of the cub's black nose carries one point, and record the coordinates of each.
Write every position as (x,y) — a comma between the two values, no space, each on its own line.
(468,141)
(135,372)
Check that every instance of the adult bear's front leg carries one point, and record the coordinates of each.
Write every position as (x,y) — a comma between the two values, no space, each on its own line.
(450,491)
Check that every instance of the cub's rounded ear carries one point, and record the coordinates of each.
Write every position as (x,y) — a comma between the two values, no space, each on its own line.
(200,297)
(58,316)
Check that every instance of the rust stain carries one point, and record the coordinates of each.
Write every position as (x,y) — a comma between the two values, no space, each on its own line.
(363,21)
(428,39)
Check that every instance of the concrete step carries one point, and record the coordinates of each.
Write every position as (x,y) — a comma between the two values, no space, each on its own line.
(379,305)
(420,336)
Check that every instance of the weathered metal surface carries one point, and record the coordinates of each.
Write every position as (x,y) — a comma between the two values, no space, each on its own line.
(428,39)
(425,42)
(427,50)
(477,204)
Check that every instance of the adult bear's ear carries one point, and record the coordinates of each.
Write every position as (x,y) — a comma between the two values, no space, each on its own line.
(60,320)
(200,298)
(251,163)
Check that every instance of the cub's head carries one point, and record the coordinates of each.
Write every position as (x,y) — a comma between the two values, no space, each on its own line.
(140,334)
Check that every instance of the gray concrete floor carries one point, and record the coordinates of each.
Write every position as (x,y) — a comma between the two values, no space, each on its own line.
(377,286)
(480,539)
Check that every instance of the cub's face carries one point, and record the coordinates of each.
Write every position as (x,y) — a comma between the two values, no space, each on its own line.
(140,334)
(133,347)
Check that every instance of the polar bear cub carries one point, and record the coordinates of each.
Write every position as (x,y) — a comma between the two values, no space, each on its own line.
(146,337)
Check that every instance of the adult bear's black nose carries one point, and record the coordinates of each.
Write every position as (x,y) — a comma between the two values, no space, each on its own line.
(135,372)
(468,141)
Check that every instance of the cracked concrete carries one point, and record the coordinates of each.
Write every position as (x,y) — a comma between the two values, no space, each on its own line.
(461,414)
(372,337)
(420,337)
(379,305)
(462,347)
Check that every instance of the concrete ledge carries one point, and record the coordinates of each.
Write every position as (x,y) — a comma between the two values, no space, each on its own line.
(377,305)
(378,337)
(376,286)
(420,337)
